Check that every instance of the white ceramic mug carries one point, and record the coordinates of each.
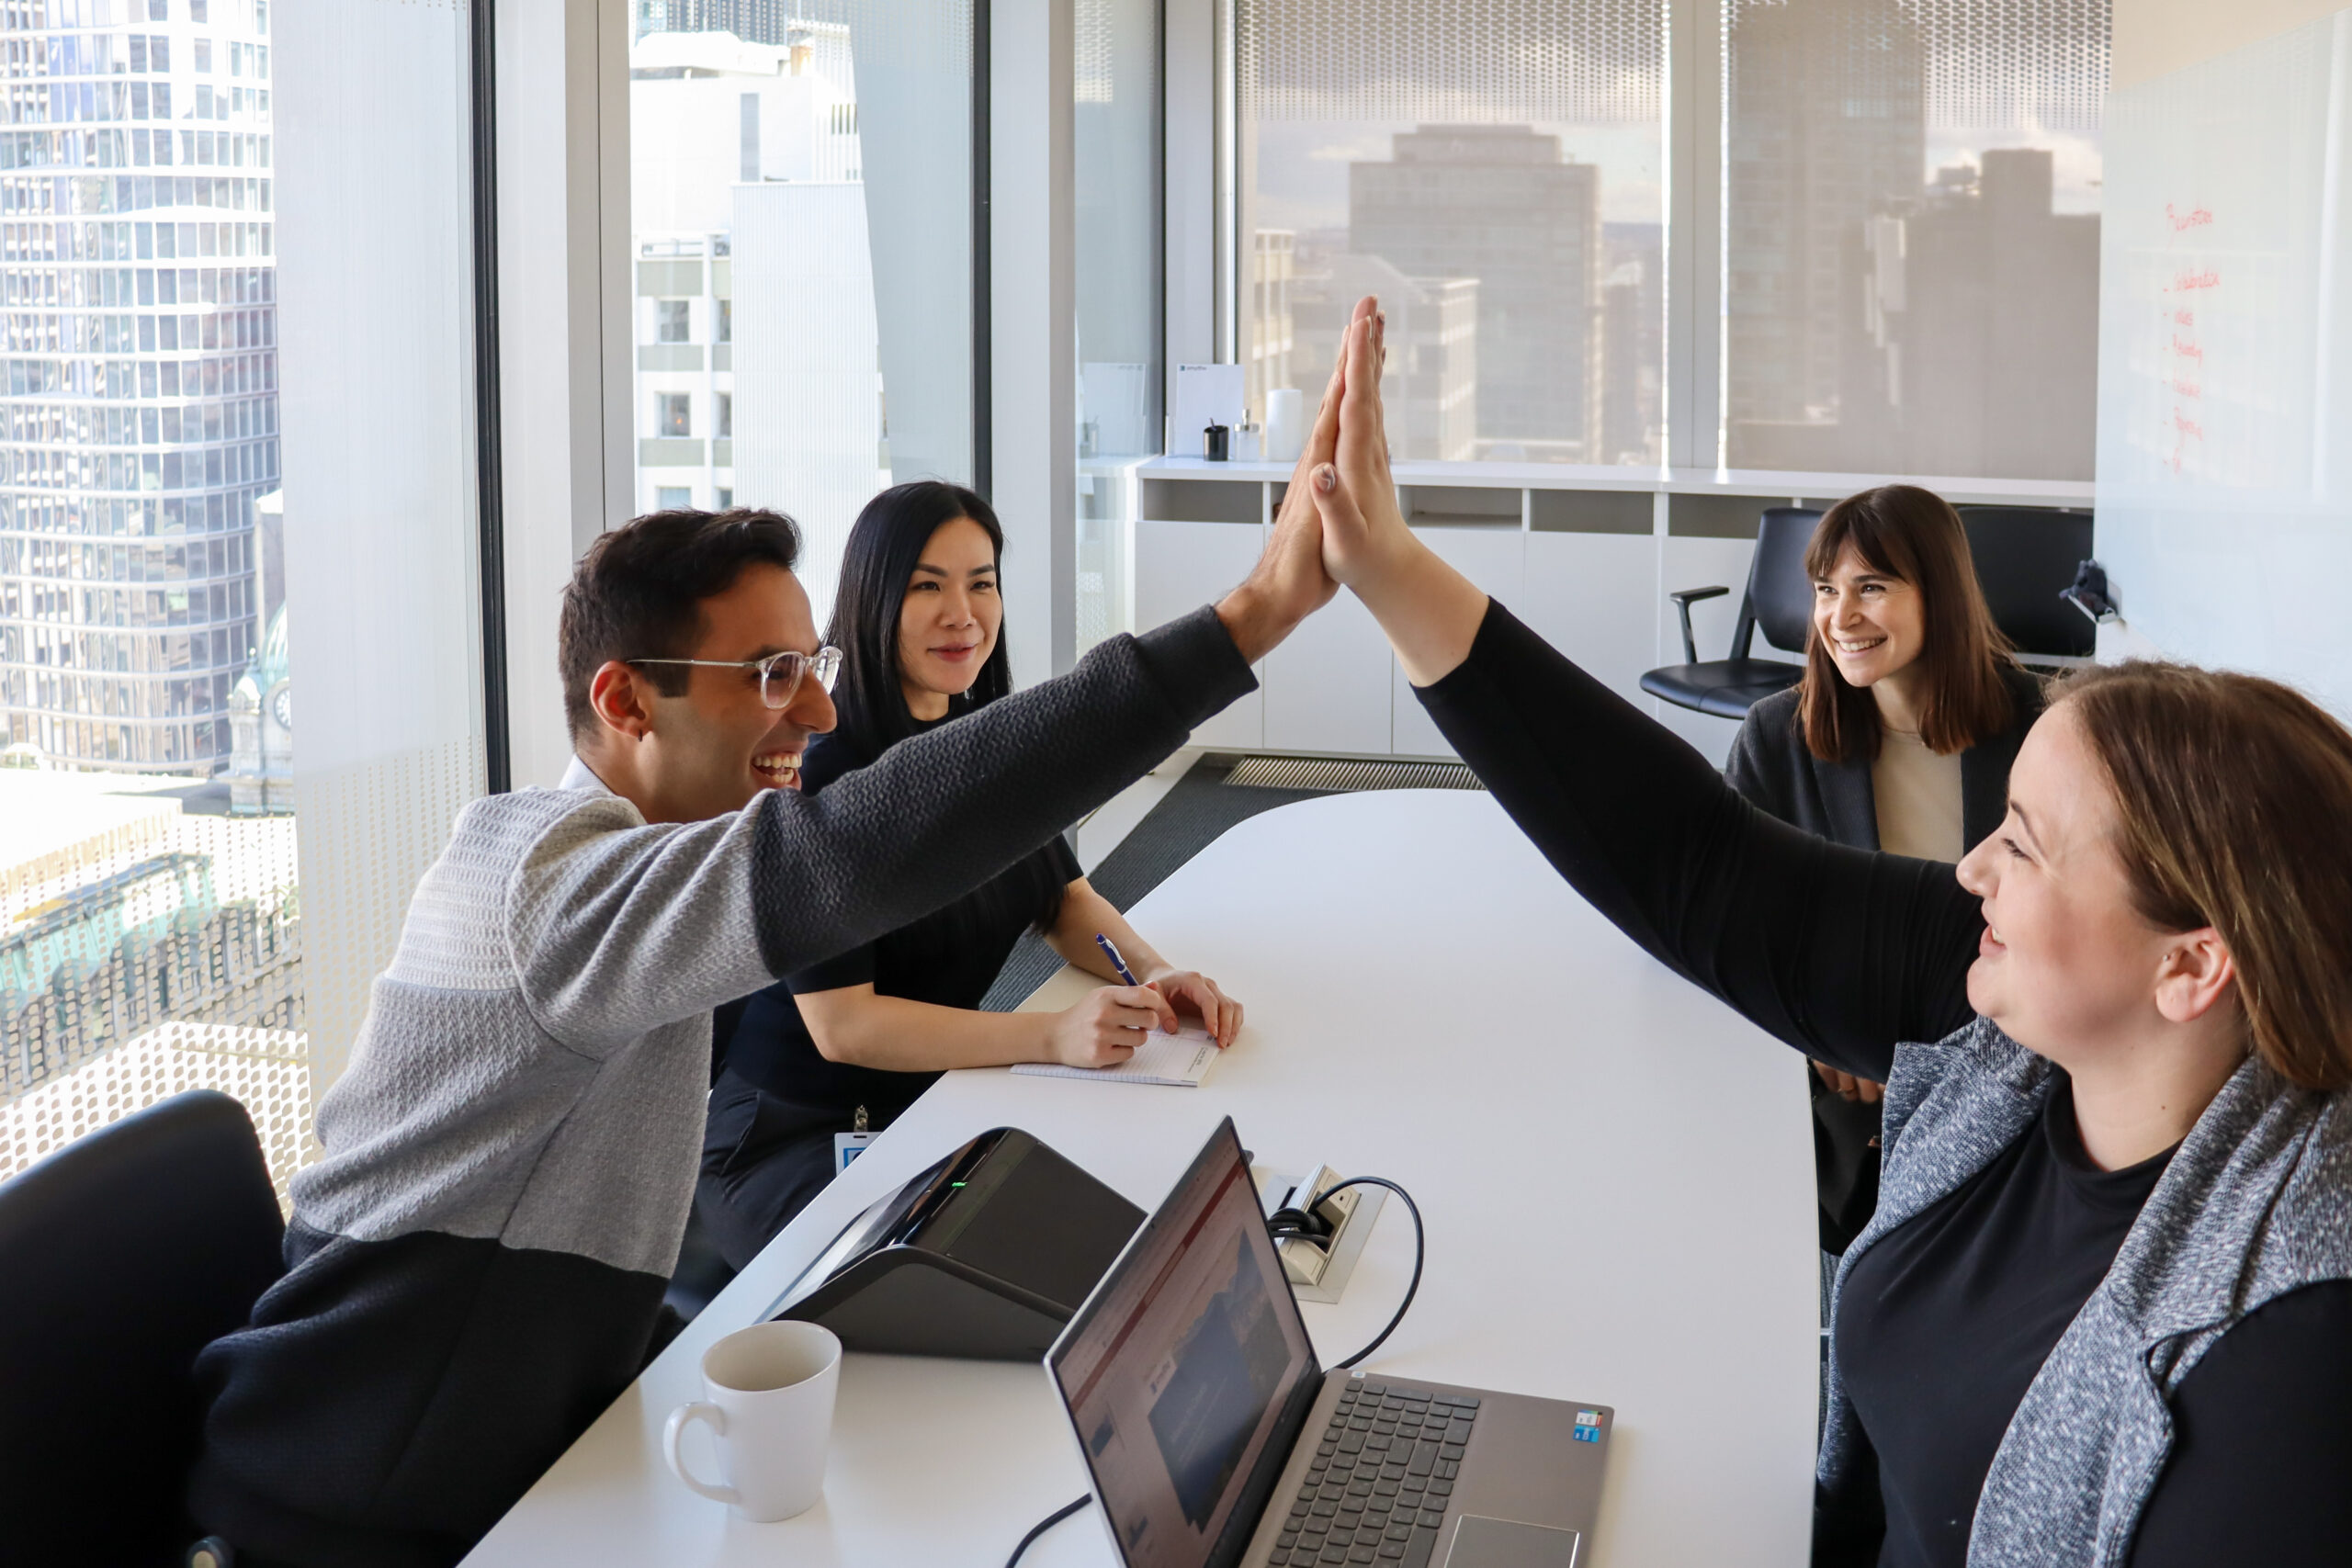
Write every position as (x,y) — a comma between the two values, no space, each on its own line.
(771,1409)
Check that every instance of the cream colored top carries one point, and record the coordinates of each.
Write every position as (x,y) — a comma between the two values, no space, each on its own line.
(1917,797)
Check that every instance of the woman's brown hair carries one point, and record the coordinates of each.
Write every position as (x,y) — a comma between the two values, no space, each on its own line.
(2234,799)
(1903,531)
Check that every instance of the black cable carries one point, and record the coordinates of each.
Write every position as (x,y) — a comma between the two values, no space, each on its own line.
(1420,1236)
(1042,1526)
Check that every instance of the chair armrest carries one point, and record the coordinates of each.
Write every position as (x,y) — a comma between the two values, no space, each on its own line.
(1683,599)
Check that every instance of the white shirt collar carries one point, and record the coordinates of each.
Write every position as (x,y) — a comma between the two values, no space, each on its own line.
(579,775)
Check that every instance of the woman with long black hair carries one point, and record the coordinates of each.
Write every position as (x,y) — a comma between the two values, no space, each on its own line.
(850,1044)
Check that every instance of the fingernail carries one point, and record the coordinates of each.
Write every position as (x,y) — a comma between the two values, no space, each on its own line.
(1325,479)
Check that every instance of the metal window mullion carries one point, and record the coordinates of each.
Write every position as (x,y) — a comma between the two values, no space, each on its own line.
(489,471)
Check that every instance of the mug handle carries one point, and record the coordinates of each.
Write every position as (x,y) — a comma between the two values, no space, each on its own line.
(700,1410)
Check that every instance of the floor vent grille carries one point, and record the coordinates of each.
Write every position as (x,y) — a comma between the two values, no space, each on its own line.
(1333,774)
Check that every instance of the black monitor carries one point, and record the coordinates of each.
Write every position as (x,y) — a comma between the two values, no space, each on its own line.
(1188,1373)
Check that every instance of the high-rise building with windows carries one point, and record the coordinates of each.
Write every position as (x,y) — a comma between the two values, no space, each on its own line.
(139,417)
(1500,204)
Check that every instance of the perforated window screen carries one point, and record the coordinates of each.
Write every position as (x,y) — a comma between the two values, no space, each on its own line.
(1493,170)
(1556,62)
(1911,239)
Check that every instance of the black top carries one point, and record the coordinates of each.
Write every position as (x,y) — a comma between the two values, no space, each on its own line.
(949,958)
(1843,952)
(2000,1266)
(1770,764)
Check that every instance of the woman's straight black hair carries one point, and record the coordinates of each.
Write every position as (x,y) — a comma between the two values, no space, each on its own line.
(884,544)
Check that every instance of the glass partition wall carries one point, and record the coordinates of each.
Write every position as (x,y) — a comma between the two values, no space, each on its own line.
(1115,158)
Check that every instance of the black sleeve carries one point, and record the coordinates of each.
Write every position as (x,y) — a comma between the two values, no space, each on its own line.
(856,967)
(1839,951)
(940,813)
(1063,859)
(1744,769)
(2262,1444)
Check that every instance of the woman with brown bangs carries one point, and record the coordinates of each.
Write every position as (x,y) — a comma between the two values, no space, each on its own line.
(1899,738)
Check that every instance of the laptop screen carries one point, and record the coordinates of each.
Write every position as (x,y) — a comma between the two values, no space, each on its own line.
(1180,1371)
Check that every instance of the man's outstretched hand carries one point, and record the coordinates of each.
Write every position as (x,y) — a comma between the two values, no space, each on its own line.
(1290,582)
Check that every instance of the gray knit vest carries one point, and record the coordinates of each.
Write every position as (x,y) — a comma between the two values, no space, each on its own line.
(2256,1202)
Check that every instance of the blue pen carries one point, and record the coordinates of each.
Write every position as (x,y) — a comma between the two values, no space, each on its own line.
(1118,963)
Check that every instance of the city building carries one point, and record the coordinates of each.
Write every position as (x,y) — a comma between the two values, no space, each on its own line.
(1828,126)
(260,725)
(1273,261)
(1632,336)
(139,416)
(1998,333)
(1500,204)
(1428,386)
(710,113)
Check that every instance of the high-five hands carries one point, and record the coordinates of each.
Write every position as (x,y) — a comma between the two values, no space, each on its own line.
(1291,582)
(1430,612)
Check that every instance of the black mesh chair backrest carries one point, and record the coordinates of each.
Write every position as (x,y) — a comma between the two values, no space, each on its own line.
(123,1255)
(2025,559)
(1779,594)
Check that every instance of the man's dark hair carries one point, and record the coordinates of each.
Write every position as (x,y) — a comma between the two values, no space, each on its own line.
(638,593)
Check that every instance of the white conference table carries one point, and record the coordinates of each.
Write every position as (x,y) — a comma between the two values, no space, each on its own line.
(1616,1171)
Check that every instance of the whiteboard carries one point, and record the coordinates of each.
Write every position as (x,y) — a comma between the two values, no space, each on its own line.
(2224,471)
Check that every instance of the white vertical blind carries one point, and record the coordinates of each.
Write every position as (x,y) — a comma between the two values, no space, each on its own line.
(382,542)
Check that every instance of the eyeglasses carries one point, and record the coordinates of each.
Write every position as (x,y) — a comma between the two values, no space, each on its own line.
(780,673)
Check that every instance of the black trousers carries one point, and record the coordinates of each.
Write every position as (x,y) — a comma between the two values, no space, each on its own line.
(1845,1163)
(762,1159)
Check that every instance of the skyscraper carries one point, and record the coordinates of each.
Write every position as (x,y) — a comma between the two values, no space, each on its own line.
(1998,329)
(1497,203)
(139,419)
(1827,127)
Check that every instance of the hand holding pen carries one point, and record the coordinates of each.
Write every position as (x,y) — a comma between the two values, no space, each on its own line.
(1220,1014)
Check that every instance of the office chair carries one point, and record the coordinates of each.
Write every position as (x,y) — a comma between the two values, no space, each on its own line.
(125,1253)
(2026,560)
(1779,599)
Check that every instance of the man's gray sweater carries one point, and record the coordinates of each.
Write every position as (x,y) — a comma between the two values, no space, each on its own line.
(477,1263)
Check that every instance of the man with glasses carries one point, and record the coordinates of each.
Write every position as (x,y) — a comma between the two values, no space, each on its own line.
(478,1259)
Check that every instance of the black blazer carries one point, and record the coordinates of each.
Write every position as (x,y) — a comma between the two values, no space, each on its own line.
(1770,766)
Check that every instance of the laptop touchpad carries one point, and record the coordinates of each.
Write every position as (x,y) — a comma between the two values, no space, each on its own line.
(1480,1542)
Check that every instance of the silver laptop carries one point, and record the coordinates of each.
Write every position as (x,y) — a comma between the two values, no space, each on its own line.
(1215,1440)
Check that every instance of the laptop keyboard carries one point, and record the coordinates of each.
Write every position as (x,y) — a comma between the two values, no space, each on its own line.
(1378,1487)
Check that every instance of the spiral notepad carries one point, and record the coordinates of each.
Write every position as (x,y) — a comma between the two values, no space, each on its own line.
(1181,1060)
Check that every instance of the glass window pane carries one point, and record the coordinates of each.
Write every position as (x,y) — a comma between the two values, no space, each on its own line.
(1492,170)
(815,168)
(147,847)
(155,936)
(1912,199)
(1115,160)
